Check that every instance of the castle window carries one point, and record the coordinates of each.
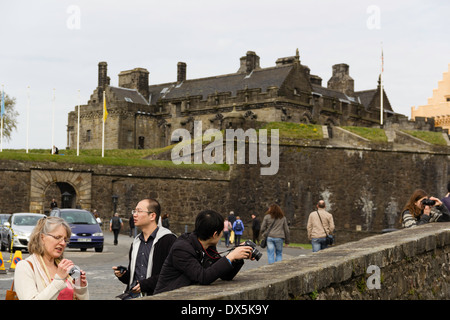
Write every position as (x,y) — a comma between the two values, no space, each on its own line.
(88,135)
(130,136)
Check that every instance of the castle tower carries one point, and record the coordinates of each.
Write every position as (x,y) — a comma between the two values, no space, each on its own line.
(341,80)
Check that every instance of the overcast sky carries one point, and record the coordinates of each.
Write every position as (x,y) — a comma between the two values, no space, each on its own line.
(57,44)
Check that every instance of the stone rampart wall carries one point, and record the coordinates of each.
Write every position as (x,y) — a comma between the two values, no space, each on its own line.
(405,264)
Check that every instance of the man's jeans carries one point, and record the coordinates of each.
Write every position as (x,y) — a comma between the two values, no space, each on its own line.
(318,244)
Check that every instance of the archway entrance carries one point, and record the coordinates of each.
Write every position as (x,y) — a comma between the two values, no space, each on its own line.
(64,194)
(70,189)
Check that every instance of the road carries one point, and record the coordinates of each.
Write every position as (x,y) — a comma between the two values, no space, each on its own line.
(103,285)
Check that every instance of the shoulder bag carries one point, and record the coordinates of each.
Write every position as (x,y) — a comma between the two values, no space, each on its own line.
(264,240)
(11,294)
(330,239)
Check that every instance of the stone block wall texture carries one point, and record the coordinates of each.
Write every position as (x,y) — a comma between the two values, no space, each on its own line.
(365,188)
(414,264)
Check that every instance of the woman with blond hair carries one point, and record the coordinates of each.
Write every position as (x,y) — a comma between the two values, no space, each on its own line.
(44,275)
(422,209)
(276,229)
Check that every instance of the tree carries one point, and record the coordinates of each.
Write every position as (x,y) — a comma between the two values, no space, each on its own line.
(9,117)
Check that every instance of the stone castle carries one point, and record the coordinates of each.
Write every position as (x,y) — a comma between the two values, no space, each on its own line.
(141,115)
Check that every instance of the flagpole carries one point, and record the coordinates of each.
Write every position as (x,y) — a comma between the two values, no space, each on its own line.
(381,85)
(103,131)
(53,123)
(1,134)
(28,115)
(78,126)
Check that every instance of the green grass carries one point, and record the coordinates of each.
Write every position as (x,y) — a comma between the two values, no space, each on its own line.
(428,136)
(296,130)
(132,158)
(372,134)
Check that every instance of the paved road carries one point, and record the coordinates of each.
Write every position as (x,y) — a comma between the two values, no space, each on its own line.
(103,285)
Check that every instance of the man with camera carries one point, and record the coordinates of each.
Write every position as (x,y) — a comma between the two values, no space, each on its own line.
(147,253)
(193,258)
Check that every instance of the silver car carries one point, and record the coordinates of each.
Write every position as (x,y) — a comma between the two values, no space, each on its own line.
(15,233)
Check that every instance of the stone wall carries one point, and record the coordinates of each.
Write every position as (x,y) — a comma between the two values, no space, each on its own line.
(405,264)
(365,188)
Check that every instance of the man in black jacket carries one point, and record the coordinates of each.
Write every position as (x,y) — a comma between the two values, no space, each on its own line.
(148,250)
(193,258)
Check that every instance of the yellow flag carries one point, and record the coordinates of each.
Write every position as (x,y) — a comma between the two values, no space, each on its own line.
(105,112)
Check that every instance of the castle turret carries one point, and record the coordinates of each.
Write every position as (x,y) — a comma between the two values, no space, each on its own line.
(135,79)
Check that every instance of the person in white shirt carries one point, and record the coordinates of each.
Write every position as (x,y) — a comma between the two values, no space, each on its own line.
(44,275)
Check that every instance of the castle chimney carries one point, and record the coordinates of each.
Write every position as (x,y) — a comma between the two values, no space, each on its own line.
(341,80)
(181,72)
(103,79)
(249,63)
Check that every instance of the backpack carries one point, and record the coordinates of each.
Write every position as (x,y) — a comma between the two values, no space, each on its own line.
(238,226)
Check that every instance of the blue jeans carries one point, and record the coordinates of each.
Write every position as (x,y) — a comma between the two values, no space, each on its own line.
(226,234)
(274,249)
(318,244)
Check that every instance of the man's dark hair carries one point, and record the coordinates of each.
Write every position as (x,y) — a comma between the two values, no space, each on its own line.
(208,222)
(154,206)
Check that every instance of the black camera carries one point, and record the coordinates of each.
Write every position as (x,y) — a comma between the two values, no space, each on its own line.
(255,252)
(121,269)
(428,202)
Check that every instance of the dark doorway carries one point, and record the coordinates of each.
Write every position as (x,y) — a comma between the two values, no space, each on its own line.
(64,194)
(141,142)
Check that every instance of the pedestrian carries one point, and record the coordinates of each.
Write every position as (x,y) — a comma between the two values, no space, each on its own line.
(147,252)
(194,259)
(227,227)
(446,199)
(256,227)
(232,219)
(97,218)
(238,228)
(422,209)
(115,225)
(276,229)
(44,275)
(165,221)
(53,204)
(132,227)
(320,224)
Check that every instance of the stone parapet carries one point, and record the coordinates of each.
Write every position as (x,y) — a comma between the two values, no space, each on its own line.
(411,264)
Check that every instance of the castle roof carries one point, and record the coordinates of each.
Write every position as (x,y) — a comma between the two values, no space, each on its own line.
(129,95)
(232,83)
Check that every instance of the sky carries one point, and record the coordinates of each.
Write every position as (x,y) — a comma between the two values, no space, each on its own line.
(50,50)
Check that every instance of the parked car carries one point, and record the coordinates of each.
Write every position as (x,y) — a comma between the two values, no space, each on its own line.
(86,232)
(19,225)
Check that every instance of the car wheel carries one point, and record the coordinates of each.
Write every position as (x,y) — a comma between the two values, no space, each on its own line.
(83,249)
(99,249)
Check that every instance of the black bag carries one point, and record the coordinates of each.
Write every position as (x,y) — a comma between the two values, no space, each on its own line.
(329,238)
(264,240)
